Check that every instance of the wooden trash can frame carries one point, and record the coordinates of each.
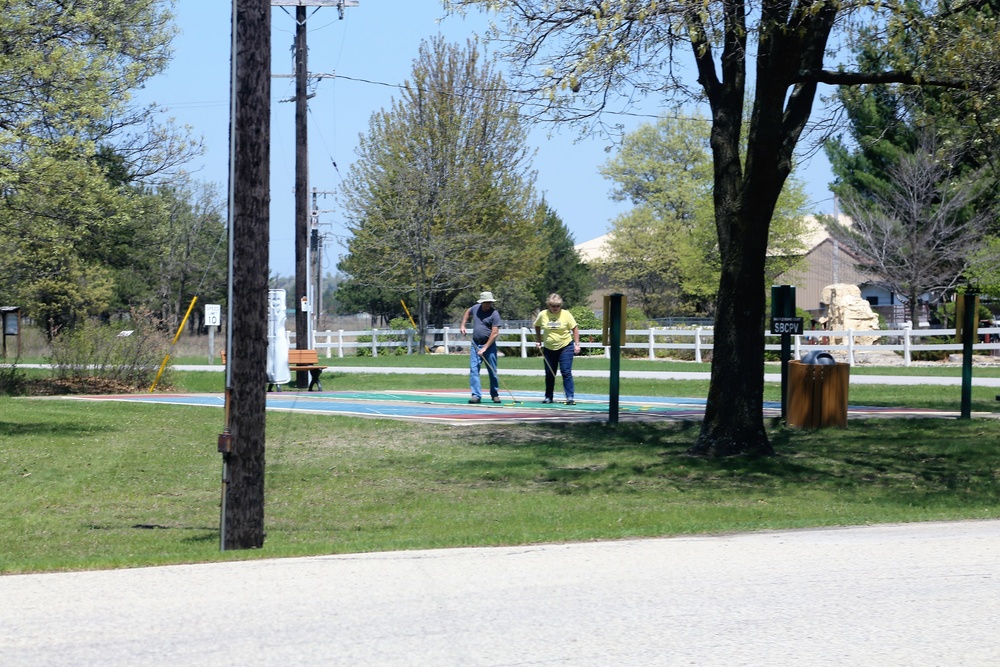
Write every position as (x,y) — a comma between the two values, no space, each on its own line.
(817,395)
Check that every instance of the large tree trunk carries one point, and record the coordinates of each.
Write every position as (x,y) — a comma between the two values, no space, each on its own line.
(734,420)
(244,503)
(744,204)
(744,199)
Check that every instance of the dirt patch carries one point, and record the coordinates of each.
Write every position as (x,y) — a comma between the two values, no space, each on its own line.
(88,385)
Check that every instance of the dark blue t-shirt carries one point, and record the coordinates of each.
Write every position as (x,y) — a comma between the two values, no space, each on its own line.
(482,323)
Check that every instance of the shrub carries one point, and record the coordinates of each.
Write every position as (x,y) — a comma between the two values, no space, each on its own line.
(932,355)
(364,343)
(121,355)
(683,355)
(587,319)
(635,318)
(13,381)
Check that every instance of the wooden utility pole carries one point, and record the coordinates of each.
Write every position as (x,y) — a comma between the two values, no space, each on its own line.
(301,190)
(302,341)
(316,246)
(242,442)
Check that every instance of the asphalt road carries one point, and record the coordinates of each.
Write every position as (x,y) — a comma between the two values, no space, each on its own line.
(918,594)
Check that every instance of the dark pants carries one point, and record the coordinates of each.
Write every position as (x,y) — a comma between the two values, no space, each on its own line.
(563,360)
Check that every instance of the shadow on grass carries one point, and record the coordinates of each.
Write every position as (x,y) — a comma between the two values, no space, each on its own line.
(919,462)
(49,429)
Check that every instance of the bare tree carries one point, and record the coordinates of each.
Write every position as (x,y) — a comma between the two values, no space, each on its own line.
(919,234)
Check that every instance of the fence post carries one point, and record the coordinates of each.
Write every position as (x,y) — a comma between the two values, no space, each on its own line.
(446,350)
(798,352)
(409,341)
(340,343)
(524,342)
(697,344)
(374,343)
(850,346)
(652,351)
(906,346)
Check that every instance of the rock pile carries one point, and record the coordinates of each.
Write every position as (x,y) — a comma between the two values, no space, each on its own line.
(847,311)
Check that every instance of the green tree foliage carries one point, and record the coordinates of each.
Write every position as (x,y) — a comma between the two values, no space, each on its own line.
(587,57)
(439,201)
(886,121)
(186,227)
(664,253)
(330,303)
(559,269)
(355,297)
(983,271)
(72,142)
(65,80)
(50,228)
(587,319)
(68,66)
(84,246)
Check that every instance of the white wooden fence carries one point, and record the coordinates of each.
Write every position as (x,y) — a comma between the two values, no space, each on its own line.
(697,341)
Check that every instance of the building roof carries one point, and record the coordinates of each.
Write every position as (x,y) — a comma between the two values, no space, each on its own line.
(815,233)
(594,250)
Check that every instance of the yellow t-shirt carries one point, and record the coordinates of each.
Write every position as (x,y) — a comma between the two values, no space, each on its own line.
(557,330)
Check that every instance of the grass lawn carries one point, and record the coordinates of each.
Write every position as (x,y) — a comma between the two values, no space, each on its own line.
(600,363)
(85,485)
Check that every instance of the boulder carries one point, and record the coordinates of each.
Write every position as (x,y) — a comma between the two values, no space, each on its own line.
(847,311)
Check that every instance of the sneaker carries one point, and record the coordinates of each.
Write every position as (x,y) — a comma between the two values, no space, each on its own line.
(571,402)
(474,399)
(546,400)
(496,399)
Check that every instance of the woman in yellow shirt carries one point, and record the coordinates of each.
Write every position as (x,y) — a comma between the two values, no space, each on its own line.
(555,329)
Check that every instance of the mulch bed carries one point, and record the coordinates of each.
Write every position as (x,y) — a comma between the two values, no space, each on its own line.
(88,385)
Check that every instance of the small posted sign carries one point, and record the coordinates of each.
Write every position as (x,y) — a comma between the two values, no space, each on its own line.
(786,325)
(213,315)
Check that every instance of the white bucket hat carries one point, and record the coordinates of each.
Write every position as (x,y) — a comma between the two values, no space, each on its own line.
(486,296)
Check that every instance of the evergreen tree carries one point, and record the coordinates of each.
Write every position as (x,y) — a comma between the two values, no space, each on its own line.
(562,270)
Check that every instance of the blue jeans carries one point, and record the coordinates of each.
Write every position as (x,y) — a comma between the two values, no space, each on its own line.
(563,360)
(476,362)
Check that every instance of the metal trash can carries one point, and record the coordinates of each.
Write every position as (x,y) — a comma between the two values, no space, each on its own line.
(817,391)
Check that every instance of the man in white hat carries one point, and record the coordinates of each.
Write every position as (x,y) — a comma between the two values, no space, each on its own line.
(485,329)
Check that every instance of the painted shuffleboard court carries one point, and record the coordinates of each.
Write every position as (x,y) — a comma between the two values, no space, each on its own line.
(452,406)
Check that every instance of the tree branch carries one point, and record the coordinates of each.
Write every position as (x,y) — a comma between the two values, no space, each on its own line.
(861,78)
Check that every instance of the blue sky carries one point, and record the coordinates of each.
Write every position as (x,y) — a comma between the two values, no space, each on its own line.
(376,42)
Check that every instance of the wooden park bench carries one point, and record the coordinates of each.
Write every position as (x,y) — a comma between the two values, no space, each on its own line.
(306,360)
(300,360)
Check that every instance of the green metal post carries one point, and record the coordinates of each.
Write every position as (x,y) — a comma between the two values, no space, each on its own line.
(786,355)
(968,338)
(783,305)
(616,347)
